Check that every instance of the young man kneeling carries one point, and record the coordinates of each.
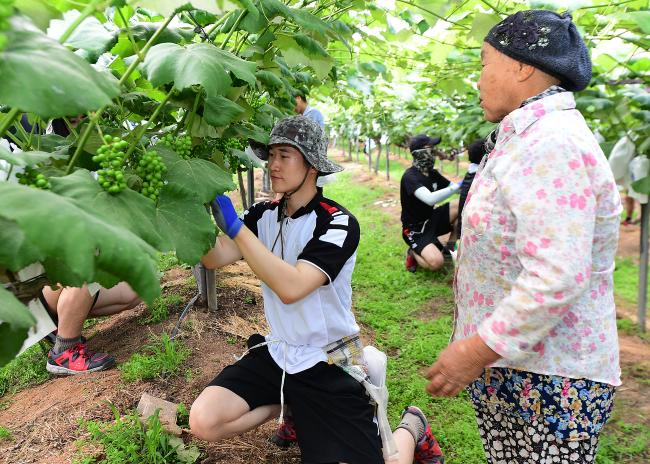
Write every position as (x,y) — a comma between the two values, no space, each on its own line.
(303,249)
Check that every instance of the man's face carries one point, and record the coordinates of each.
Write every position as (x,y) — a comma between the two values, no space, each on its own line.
(498,76)
(287,168)
(300,105)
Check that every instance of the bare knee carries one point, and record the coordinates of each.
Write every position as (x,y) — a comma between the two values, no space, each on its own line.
(431,258)
(213,411)
(435,262)
(205,423)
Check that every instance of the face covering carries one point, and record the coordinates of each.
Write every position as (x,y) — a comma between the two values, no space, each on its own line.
(423,160)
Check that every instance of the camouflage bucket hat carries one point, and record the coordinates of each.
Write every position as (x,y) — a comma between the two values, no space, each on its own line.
(306,136)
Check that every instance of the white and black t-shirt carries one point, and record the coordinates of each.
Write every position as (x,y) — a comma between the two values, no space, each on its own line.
(325,235)
(414,211)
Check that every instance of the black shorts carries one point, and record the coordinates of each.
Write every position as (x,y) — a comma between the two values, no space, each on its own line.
(331,410)
(425,234)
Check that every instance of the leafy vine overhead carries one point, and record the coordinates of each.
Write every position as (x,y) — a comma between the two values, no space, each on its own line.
(414,66)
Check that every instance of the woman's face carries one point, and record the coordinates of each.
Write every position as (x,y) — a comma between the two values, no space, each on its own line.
(498,78)
(287,168)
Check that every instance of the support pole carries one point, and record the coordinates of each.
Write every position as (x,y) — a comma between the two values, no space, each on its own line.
(251,187)
(643,269)
(211,288)
(266,180)
(369,154)
(387,160)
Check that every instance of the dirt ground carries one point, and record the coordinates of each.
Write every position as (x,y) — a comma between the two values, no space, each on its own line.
(44,420)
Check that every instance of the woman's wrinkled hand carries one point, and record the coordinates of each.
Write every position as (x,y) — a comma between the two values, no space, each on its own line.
(459,365)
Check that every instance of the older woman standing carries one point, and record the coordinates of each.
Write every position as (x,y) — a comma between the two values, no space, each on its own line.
(534,286)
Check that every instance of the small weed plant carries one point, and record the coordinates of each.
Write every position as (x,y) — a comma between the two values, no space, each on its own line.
(160,358)
(127,440)
(27,370)
(159,310)
(5,434)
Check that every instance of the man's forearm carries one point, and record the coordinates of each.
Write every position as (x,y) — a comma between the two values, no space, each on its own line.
(287,281)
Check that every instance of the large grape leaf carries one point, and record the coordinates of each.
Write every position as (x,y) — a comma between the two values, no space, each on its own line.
(167,7)
(15,321)
(75,246)
(41,76)
(219,111)
(14,245)
(90,35)
(197,64)
(248,131)
(203,178)
(27,158)
(127,209)
(185,223)
(144,31)
(296,55)
(301,17)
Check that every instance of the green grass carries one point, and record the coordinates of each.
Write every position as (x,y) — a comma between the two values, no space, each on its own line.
(628,327)
(126,440)
(624,443)
(159,310)
(626,280)
(167,261)
(5,434)
(160,358)
(27,370)
(393,302)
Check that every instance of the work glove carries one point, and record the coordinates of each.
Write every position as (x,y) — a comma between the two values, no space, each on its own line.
(462,362)
(455,186)
(225,216)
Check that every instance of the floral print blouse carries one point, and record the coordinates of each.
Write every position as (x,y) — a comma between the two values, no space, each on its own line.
(536,260)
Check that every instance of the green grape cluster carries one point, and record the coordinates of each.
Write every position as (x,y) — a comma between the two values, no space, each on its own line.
(110,157)
(224,145)
(182,144)
(33,178)
(6,10)
(255,103)
(151,169)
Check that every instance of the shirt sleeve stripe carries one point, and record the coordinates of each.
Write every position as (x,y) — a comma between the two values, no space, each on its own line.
(335,236)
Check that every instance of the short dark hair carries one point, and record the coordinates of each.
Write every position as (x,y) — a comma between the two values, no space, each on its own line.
(302,95)
(476,151)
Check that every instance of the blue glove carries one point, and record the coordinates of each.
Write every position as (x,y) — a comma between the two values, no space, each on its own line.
(454,186)
(225,216)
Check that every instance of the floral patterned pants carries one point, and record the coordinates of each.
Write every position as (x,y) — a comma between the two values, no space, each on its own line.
(528,418)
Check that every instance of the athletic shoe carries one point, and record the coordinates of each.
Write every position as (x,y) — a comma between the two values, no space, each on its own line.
(427,449)
(627,221)
(77,360)
(285,435)
(411,264)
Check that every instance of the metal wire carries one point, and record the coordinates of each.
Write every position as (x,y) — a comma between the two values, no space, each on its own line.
(184,315)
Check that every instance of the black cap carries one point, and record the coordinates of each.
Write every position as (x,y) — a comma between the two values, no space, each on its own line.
(548,41)
(421,141)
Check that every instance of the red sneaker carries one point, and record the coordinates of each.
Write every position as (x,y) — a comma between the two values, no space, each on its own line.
(285,435)
(411,264)
(77,360)
(427,449)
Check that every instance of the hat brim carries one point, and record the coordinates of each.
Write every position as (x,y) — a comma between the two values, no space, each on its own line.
(323,166)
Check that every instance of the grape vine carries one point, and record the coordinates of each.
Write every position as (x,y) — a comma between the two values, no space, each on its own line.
(182,144)
(32,178)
